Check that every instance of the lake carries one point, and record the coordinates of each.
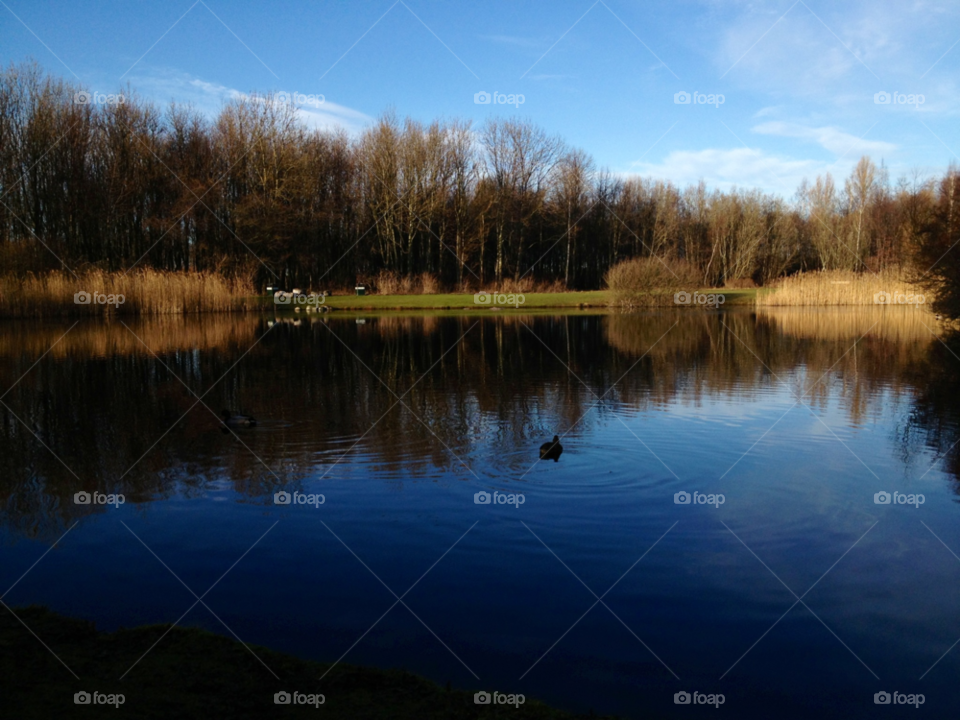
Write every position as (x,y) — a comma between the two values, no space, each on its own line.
(758,505)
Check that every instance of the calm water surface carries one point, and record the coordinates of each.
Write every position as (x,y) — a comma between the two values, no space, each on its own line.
(797,418)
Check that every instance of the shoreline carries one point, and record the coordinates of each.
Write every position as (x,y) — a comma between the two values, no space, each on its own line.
(194,673)
(155,294)
(574,299)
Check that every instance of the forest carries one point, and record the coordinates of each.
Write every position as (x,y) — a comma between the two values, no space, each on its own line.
(254,192)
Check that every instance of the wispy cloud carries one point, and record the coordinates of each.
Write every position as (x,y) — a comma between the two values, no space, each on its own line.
(817,49)
(214,90)
(768,111)
(830,138)
(331,116)
(209,98)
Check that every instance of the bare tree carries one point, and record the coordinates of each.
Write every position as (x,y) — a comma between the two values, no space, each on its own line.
(859,190)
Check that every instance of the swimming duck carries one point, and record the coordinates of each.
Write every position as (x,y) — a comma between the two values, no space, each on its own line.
(232,419)
(551,450)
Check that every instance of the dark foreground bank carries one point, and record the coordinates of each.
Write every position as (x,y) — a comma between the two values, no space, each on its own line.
(193,673)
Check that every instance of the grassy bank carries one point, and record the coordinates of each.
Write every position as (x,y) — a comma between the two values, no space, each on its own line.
(458,301)
(195,674)
(531,301)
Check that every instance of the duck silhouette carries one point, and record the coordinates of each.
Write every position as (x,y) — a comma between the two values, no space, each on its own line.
(551,450)
(234,420)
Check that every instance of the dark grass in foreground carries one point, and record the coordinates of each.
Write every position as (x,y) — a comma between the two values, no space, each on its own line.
(193,673)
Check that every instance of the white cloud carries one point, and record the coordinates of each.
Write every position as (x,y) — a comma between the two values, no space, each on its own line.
(816,50)
(742,167)
(214,90)
(165,85)
(793,55)
(830,138)
(331,116)
(767,111)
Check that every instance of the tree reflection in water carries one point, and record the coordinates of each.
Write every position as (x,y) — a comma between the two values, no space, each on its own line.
(103,406)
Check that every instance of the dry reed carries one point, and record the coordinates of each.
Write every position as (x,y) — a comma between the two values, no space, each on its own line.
(839,287)
(144,292)
(388,282)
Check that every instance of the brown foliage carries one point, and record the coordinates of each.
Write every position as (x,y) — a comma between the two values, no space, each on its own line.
(650,281)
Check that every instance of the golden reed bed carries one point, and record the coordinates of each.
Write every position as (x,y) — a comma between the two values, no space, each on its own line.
(843,287)
(144,292)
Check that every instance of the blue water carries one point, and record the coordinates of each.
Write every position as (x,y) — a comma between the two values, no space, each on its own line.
(694,597)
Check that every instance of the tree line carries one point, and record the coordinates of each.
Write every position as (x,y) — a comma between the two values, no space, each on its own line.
(255,191)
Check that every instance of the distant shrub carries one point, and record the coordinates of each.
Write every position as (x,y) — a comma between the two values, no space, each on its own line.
(650,280)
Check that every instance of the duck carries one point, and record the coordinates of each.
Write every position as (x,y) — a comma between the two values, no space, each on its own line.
(232,419)
(551,450)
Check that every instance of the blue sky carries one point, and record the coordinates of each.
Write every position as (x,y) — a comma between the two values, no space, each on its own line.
(798,77)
